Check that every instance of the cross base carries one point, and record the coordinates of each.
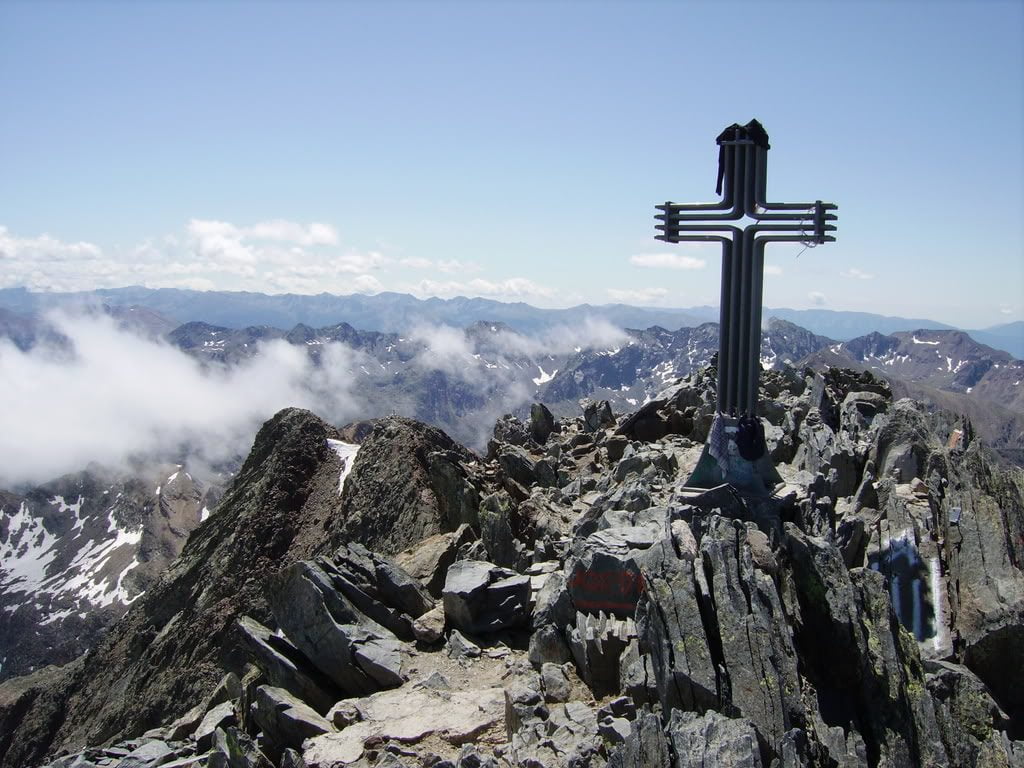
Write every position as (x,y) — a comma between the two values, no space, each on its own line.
(757,478)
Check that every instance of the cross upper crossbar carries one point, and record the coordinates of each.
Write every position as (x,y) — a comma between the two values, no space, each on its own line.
(743,166)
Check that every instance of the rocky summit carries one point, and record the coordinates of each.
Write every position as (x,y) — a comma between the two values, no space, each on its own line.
(381,596)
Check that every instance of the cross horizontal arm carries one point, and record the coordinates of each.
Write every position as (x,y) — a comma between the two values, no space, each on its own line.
(801,233)
(673,212)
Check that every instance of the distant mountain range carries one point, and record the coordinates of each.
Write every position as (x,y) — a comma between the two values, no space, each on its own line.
(462,380)
(400,313)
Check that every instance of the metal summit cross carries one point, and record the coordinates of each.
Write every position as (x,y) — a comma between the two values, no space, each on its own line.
(742,182)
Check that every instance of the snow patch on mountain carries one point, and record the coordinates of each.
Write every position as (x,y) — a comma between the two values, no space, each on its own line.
(347,453)
(544,376)
(26,552)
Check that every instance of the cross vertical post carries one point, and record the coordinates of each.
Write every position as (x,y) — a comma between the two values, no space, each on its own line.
(742,182)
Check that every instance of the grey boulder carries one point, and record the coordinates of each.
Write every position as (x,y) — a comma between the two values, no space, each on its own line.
(481,597)
(286,720)
(713,739)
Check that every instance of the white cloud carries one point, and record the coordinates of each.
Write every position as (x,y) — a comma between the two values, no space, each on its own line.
(290,232)
(116,397)
(444,343)
(219,241)
(417,262)
(45,263)
(119,396)
(221,238)
(638,295)
(856,274)
(276,242)
(357,263)
(312,281)
(270,256)
(454,266)
(44,248)
(667,261)
(772,269)
(817,298)
(366,284)
(447,349)
(448,266)
(591,333)
(1005,310)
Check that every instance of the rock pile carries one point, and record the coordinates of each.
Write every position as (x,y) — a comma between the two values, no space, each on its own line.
(567,601)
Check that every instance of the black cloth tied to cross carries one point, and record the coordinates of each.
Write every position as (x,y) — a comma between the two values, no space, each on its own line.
(752,131)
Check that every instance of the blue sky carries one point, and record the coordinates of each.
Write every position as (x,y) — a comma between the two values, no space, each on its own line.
(510,150)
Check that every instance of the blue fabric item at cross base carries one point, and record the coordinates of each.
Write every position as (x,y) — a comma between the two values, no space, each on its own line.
(717,443)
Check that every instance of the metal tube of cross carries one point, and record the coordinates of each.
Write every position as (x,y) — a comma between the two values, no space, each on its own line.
(743,165)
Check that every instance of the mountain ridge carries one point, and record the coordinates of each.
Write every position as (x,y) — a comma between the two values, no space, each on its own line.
(395,312)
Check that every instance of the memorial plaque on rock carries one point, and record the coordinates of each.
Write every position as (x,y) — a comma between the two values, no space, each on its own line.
(606,583)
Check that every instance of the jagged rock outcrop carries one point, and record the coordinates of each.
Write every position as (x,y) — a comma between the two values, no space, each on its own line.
(353,651)
(981,517)
(77,551)
(574,604)
(410,481)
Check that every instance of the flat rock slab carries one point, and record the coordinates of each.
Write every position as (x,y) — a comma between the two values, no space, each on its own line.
(285,719)
(409,716)
(148,755)
(220,716)
(195,761)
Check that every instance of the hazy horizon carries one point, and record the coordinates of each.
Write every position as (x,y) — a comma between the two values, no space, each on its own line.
(646,307)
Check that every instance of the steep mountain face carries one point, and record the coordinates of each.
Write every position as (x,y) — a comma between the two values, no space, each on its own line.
(76,552)
(946,360)
(567,600)
(648,361)
(635,372)
(783,343)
